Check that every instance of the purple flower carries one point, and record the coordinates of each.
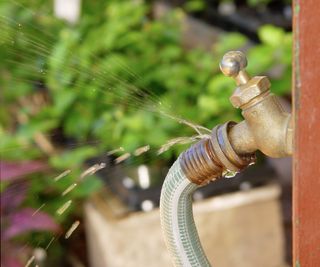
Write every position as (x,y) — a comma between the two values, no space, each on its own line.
(26,220)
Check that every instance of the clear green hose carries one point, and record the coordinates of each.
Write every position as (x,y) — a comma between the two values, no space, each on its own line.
(177,221)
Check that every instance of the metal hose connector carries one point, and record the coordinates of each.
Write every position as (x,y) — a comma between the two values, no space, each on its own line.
(208,159)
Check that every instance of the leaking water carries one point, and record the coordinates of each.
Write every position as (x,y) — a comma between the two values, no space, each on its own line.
(136,98)
(180,140)
(140,150)
(229,174)
(37,210)
(69,189)
(50,242)
(92,170)
(122,158)
(73,227)
(30,261)
(64,207)
(60,176)
(114,151)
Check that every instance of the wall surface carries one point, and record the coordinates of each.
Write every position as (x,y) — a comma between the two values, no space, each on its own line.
(306,181)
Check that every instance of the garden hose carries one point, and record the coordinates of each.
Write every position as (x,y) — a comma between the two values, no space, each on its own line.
(177,220)
(200,164)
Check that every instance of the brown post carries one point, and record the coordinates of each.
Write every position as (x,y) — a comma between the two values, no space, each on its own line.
(306,94)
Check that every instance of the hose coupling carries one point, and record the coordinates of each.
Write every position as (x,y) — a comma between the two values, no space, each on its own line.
(208,159)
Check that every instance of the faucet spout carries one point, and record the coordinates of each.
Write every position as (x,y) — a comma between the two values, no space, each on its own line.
(232,146)
(266,128)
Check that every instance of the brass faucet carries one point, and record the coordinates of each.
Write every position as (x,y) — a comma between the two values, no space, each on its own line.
(266,127)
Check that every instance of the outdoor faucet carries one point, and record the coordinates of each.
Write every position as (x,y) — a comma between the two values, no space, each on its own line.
(230,148)
(266,127)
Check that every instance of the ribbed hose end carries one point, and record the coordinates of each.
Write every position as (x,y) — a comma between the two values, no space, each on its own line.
(208,159)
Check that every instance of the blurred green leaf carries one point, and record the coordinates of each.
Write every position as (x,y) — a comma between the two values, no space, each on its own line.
(73,158)
(194,5)
(230,41)
(271,35)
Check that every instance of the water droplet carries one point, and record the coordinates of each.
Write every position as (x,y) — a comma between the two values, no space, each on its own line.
(141,150)
(60,176)
(92,170)
(229,174)
(30,261)
(69,189)
(122,158)
(38,209)
(73,227)
(120,149)
(50,242)
(64,207)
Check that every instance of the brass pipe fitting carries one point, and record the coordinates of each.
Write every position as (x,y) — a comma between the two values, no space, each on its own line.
(208,159)
(231,147)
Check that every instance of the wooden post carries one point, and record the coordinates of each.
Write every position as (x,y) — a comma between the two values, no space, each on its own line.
(306,169)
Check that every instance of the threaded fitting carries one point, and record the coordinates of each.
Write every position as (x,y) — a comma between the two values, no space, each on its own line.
(209,158)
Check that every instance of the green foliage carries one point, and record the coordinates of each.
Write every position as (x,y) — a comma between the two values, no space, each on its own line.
(194,5)
(94,73)
(274,56)
(110,79)
(258,3)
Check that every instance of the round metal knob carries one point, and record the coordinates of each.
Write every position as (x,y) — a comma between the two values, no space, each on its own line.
(232,63)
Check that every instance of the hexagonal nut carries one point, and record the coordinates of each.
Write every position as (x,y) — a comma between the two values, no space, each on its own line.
(246,92)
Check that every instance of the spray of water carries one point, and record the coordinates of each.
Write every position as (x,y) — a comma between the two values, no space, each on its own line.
(125,93)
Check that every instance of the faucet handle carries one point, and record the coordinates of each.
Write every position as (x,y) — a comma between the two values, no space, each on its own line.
(233,65)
